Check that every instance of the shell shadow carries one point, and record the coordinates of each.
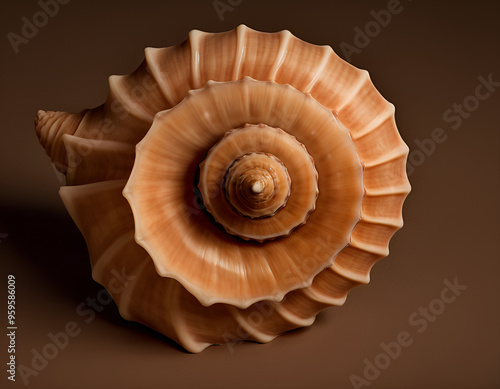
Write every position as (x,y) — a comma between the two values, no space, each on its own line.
(50,246)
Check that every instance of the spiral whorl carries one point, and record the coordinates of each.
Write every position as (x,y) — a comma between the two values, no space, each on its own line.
(50,126)
(244,178)
(257,185)
(243,181)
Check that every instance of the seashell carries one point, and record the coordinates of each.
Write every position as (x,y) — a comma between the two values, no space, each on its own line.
(243,181)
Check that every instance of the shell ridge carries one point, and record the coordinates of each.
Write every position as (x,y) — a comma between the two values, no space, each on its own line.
(195,36)
(374,124)
(285,37)
(87,127)
(185,338)
(155,73)
(251,330)
(317,295)
(127,294)
(291,317)
(119,94)
(401,189)
(52,132)
(52,144)
(241,35)
(401,151)
(43,125)
(393,222)
(369,247)
(352,277)
(319,71)
(85,159)
(363,80)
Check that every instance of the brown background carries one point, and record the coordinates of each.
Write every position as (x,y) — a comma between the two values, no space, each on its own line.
(426,60)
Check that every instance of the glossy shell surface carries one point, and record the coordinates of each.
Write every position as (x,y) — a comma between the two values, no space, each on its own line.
(243,181)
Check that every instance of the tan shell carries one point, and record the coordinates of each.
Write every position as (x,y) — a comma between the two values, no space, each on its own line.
(269,178)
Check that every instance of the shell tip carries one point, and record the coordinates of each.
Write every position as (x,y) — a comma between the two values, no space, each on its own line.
(39,120)
(39,115)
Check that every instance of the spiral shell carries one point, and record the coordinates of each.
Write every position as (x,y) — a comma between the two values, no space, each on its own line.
(244,181)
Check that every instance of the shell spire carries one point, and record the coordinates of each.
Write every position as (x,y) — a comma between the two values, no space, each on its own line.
(50,126)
